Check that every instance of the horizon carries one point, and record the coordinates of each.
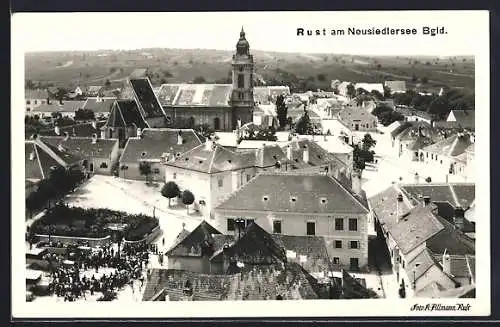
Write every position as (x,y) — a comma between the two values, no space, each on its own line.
(265,31)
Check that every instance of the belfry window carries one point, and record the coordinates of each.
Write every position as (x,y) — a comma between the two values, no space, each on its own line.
(241,81)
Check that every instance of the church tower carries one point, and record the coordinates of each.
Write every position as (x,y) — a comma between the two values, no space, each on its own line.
(242,74)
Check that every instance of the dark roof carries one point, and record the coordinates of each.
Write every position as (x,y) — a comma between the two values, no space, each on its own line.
(307,190)
(451,146)
(213,159)
(83,146)
(78,130)
(456,194)
(40,157)
(192,244)
(416,129)
(459,265)
(148,103)
(154,143)
(395,132)
(465,118)
(268,155)
(317,155)
(419,143)
(125,113)
(451,240)
(56,106)
(353,289)
(99,105)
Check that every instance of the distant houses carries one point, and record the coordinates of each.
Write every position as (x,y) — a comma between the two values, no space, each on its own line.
(396,86)
(358,119)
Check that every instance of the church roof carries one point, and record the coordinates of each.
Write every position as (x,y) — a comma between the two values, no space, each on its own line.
(198,95)
(148,102)
(125,113)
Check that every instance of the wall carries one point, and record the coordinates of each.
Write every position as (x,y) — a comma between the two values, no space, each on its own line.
(133,171)
(72,240)
(34,103)
(193,264)
(363,118)
(442,163)
(295,224)
(205,115)
(156,122)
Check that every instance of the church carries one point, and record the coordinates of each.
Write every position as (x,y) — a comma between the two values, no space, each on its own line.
(222,107)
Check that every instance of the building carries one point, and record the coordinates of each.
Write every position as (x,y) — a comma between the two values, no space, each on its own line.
(410,137)
(100,106)
(87,129)
(35,98)
(411,114)
(124,121)
(470,166)
(370,87)
(396,86)
(215,171)
(358,119)
(155,146)
(448,154)
(223,107)
(64,108)
(268,94)
(416,238)
(464,119)
(99,155)
(303,205)
(78,91)
(93,90)
(343,88)
(41,158)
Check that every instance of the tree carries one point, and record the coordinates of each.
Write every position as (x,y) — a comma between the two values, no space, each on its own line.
(187,199)
(351,91)
(199,80)
(321,77)
(107,83)
(304,126)
(414,78)
(84,114)
(425,80)
(368,142)
(281,110)
(170,190)
(145,170)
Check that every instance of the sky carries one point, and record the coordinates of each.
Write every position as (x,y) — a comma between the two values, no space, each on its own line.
(269,31)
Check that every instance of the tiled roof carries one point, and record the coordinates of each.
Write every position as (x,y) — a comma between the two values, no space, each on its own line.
(395,132)
(451,146)
(467,291)
(154,143)
(465,118)
(396,86)
(274,192)
(456,194)
(191,245)
(414,129)
(431,290)
(459,265)
(55,106)
(36,94)
(332,144)
(267,156)
(93,89)
(125,113)
(198,95)
(308,251)
(419,143)
(421,263)
(317,155)
(40,157)
(83,146)
(99,105)
(147,100)
(78,130)
(214,159)
(451,240)
(393,126)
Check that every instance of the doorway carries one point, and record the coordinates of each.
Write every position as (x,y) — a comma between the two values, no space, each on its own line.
(356,127)
(354,264)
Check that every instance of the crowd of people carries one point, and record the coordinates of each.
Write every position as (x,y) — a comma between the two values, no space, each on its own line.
(71,271)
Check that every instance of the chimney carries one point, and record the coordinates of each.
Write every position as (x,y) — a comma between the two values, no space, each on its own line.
(103,134)
(399,206)
(60,147)
(179,138)
(356,181)
(446,263)
(289,152)
(305,154)
(32,155)
(427,200)
(139,132)
(239,123)
(209,145)
(57,130)
(94,124)
(459,218)
(94,138)
(66,136)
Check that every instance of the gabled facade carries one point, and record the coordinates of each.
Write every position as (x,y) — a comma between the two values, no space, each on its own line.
(124,121)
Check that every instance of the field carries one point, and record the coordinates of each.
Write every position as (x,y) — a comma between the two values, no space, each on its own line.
(69,69)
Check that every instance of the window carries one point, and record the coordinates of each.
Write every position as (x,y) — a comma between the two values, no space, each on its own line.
(293,199)
(249,177)
(427,154)
(220,182)
(265,198)
(249,222)
(311,228)
(403,263)
(174,176)
(28,102)
(339,224)
(241,81)
(323,200)
(156,170)
(338,244)
(103,165)
(354,244)
(277,227)
(353,224)
(336,260)
(354,263)
(231,224)
(36,101)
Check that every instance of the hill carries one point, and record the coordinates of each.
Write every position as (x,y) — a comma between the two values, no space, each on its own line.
(68,69)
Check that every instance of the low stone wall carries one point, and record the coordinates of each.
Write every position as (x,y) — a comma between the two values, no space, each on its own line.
(93,242)
(148,238)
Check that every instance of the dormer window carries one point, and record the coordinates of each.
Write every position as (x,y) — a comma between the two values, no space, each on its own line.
(275,157)
(265,198)
(229,161)
(323,200)
(178,154)
(293,199)
(143,154)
